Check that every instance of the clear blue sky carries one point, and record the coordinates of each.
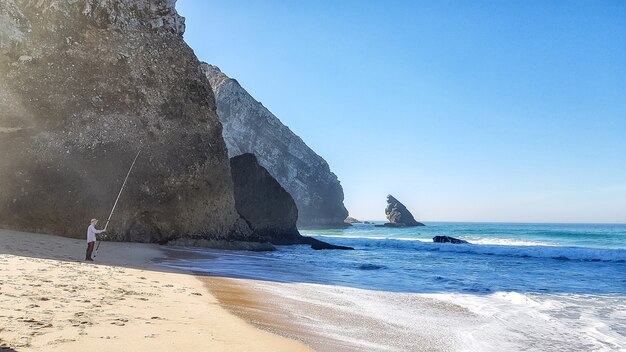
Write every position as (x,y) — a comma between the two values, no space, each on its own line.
(465,111)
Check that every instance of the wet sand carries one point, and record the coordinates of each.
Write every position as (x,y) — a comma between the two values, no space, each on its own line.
(331,318)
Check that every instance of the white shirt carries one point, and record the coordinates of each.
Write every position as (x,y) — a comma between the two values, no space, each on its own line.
(91,233)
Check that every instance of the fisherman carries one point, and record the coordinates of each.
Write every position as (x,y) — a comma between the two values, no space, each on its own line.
(91,238)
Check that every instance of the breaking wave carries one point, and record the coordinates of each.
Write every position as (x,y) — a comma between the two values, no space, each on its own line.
(508,248)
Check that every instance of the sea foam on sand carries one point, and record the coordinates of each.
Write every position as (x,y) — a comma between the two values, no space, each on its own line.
(336,318)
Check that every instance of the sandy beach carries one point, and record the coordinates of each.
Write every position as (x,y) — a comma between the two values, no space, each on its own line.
(51,300)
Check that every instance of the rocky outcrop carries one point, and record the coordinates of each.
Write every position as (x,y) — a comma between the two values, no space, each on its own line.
(320,245)
(447,239)
(268,209)
(351,220)
(84,85)
(251,128)
(266,206)
(398,215)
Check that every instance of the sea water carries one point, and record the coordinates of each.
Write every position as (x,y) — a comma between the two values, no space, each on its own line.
(541,287)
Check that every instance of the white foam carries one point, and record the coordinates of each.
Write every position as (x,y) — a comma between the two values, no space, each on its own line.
(553,322)
(504,247)
(503,321)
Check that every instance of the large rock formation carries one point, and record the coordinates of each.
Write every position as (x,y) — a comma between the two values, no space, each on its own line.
(267,207)
(398,215)
(251,128)
(84,85)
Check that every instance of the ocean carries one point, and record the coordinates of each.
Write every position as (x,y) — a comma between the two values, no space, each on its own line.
(535,287)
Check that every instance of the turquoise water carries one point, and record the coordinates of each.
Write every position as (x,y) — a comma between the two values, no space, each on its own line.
(534,258)
(575,235)
(559,286)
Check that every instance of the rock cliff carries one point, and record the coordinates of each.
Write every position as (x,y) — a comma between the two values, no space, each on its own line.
(84,85)
(266,206)
(268,209)
(251,128)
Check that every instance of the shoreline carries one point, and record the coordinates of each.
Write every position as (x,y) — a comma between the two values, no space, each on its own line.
(297,294)
(50,300)
(333,318)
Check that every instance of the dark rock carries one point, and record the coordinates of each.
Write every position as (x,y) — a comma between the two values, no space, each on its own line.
(83,87)
(318,245)
(398,215)
(447,239)
(351,220)
(268,209)
(266,206)
(249,127)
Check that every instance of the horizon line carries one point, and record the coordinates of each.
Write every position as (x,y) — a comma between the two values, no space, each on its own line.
(512,222)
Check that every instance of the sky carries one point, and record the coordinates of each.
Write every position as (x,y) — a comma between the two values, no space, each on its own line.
(507,111)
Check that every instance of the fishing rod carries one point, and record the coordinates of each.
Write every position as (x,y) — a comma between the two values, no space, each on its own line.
(118,198)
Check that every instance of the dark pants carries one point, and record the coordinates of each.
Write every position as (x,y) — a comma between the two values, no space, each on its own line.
(89,250)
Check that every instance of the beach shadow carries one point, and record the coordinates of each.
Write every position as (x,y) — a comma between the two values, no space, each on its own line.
(115,254)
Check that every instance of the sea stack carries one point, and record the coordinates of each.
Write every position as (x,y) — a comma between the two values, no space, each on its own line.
(249,127)
(398,215)
(84,85)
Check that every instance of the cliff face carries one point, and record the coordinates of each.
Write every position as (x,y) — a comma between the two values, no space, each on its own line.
(265,205)
(250,128)
(84,85)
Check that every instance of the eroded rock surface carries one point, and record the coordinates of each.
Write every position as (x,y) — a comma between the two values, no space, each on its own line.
(263,203)
(249,127)
(398,215)
(84,85)
(266,206)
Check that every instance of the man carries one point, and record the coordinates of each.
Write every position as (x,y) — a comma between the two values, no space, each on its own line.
(91,238)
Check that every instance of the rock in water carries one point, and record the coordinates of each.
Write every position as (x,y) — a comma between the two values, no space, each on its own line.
(251,128)
(447,239)
(86,84)
(319,245)
(266,206)
(398,215)
(351,220)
